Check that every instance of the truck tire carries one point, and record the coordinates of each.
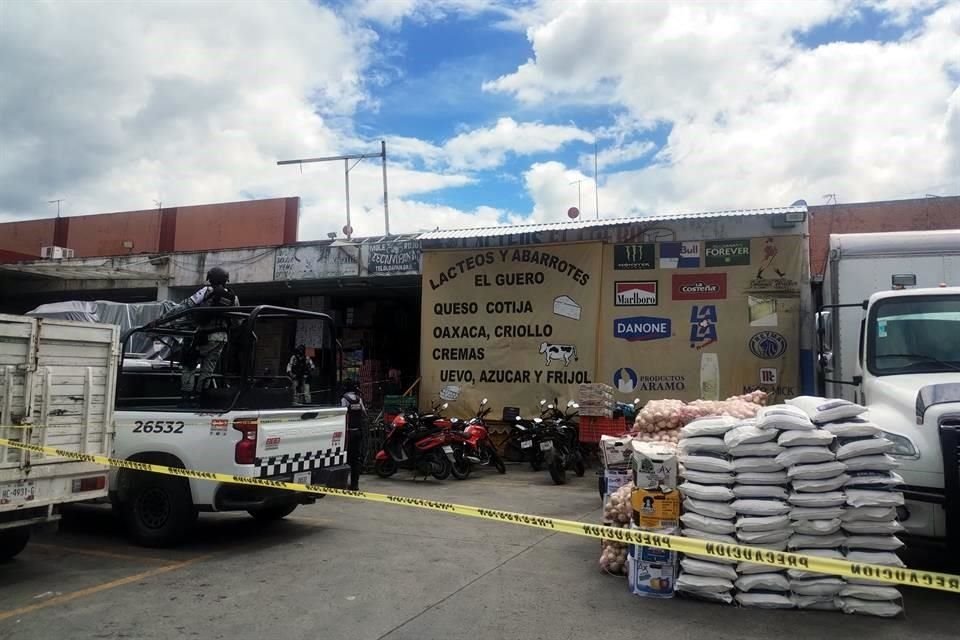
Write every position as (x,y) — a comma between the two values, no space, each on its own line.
(12,542)
(158,511)
(272,514)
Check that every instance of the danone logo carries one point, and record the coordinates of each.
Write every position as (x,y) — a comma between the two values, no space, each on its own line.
(641,328)
(727,253)
(700,286)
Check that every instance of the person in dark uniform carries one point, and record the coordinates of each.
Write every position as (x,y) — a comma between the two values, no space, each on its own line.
(355,413)
(300,368)
(211,333)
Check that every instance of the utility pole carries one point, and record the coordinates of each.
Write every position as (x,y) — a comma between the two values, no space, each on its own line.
(58,201)
(346,176)
(596,180)
(579,199)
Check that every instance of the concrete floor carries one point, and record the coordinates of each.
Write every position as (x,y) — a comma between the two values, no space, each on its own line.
(345,569)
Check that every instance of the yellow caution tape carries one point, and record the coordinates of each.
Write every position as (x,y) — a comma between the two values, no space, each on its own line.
(720,550)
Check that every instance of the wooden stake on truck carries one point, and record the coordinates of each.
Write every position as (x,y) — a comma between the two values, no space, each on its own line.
(57,386)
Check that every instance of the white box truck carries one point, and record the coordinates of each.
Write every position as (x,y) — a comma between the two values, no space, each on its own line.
(57,381)
(889,338)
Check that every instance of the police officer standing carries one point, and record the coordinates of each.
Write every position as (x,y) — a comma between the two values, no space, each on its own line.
(211,334)
(299,368)
(355,412)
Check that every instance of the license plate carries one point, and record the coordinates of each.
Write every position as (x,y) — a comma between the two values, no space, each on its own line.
(302,478)
(546,446)
(526,444)
(448,449)
(21,492)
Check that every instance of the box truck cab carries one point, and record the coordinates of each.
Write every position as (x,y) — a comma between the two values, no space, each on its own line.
(897,352)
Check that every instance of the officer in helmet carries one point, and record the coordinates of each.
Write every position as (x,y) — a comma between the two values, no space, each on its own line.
(355,412)
(211,333)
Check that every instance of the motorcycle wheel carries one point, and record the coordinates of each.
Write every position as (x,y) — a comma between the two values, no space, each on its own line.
(536,463)
(444,467)
(579,467)
(460,467)
(558,470)
(385,468)
(495,459)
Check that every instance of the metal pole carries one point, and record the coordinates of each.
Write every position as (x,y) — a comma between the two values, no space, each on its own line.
(596,181)
(346,181)
(579,197)
(386,207)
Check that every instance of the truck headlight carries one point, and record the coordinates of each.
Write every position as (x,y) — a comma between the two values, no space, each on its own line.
(903,446)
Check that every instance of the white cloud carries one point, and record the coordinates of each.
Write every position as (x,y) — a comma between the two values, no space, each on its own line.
(617,154)
(116,106)
(549,185)
(487,148)
(757,118)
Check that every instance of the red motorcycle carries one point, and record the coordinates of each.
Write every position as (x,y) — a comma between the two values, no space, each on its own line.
(477,446)
(421,443)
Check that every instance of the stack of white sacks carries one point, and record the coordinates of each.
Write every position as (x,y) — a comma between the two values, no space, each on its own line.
(809,477)
(708,513)
(868,512)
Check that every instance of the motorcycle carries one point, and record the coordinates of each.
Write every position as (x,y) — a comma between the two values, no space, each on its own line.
(560,441)
(524,441)
(478,448)
(419,443)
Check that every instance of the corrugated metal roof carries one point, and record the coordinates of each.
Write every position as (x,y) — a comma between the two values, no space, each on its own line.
(505,230)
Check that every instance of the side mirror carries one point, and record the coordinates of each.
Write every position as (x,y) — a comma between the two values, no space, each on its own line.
(483,402)
(543,402)
(825,340)
(445,405)
(571,403)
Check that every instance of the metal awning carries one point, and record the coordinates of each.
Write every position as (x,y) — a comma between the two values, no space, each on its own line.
(62,270)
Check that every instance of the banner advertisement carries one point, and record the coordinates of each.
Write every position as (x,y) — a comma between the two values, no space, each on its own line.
(390,258)
(510,324)
(311,262)
(709,320)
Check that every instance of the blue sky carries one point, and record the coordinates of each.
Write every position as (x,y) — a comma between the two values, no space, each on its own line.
(490,107)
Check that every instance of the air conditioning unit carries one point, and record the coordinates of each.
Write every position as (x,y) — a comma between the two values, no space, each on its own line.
(56,253)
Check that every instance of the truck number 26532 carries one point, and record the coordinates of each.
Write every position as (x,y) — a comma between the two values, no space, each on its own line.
(157,426)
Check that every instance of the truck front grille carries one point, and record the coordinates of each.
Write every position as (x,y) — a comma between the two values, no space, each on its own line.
(950,448)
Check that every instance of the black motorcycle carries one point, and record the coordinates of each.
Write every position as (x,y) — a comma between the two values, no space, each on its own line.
(560,441)
(524,442)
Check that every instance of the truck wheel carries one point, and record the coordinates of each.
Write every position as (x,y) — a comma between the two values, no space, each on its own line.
(12,541)
(272,514)
(159,510)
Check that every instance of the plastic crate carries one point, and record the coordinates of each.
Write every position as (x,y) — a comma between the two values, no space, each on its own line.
(592,428)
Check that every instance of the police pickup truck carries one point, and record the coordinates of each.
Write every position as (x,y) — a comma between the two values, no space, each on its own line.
(244,424)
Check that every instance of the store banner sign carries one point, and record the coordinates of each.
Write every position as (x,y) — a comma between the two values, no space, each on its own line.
(728,253)
(391,258)
(316,262)
(510,324)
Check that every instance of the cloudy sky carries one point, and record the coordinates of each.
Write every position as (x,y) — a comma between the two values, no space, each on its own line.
(490,109)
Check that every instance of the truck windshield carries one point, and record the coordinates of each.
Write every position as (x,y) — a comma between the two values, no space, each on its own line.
(914,335)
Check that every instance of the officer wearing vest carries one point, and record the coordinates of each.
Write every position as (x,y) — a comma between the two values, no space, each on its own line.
(211,333)
(355,413)
(300,367)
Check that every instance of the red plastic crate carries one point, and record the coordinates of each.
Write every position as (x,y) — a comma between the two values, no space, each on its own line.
(592,428)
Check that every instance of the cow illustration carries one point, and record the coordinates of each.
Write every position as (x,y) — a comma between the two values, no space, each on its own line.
(565,352)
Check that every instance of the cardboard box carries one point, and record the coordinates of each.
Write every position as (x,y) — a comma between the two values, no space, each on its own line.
(655,509)
(654,465)
(616,452)
(611,480)
(651,572)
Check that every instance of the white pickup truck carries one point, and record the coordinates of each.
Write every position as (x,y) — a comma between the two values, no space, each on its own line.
(890,340)
(247,426)
(57,383)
